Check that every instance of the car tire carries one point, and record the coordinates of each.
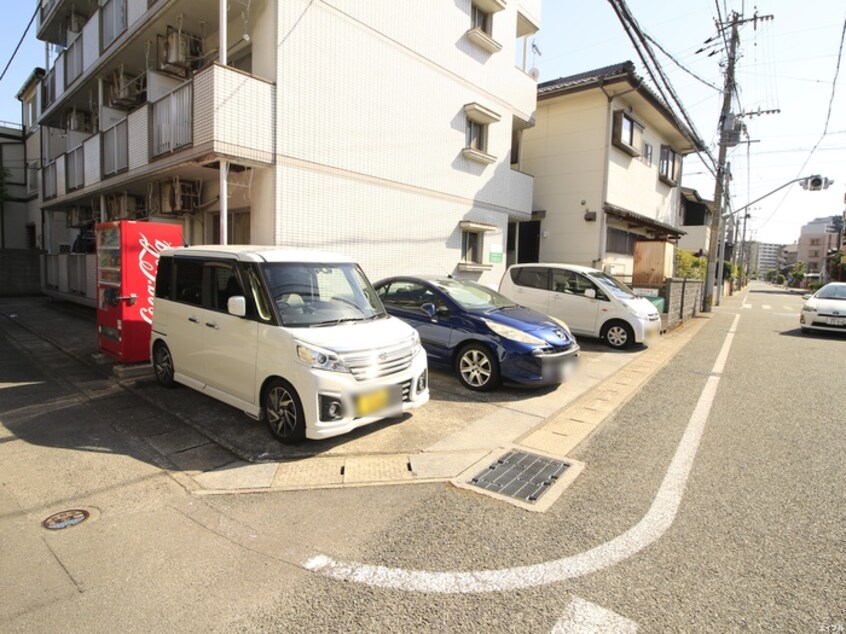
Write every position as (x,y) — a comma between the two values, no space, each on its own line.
(477,368)
(618,334)
(163,365)
(283,412)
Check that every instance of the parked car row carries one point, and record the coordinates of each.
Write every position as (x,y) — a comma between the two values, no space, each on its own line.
(301,340)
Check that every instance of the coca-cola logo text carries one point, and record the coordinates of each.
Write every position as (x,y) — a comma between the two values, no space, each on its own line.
(148,264)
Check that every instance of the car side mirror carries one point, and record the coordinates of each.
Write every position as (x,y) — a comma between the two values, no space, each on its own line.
(429,310)
(590,292)
(237,306)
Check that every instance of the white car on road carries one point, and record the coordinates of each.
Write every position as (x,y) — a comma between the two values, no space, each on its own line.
(825,309)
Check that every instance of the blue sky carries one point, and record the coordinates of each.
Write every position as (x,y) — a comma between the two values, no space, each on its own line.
(787,63)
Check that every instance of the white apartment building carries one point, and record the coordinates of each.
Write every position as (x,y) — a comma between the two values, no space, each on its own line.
(764,257)
(606,155)
(385,130)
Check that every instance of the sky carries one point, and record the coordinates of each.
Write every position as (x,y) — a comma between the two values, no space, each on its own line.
(786,64)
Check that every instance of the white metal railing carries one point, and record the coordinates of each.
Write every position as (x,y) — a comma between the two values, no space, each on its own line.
(74,169)
(48,174)
(115,149)
(73,61)
(114,21)
(173,120)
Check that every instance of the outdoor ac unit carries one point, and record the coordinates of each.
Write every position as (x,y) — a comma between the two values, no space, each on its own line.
(178,51)
(76,22)
(121,205)
(153,197)
(124,90)
(77,120)
(179,196)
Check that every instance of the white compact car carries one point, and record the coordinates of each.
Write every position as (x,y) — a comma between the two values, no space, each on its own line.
(298,338)
(825,309)
(591,302)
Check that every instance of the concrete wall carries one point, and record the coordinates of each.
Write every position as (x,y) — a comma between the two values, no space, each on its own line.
(20,272)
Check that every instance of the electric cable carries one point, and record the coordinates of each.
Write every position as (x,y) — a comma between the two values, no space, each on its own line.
(680,65)
(15,52)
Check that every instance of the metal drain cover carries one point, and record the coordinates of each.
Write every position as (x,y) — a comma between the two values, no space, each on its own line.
(64,519)
(520,475)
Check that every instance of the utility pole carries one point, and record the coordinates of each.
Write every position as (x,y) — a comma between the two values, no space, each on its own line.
(716,221)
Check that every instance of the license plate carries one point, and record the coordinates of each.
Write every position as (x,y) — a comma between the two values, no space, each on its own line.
(376,401)
(835,321)
(559,371)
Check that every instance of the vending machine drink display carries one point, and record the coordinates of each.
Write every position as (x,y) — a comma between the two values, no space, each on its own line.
(127,261)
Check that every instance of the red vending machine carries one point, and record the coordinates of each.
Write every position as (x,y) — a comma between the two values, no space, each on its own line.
(127,261)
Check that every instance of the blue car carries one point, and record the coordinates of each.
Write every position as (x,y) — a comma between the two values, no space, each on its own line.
(481,335)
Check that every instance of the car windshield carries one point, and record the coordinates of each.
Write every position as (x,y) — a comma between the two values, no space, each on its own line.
(312,295)
(472,296)
(832,291)
(612,285)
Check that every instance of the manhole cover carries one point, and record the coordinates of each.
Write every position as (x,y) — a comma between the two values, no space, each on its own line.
(520,475)
(64,519)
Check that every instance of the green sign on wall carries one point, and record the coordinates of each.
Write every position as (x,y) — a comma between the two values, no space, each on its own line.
(495,258)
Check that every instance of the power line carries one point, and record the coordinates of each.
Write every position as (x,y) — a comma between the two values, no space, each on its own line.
(680,65)
(15,52)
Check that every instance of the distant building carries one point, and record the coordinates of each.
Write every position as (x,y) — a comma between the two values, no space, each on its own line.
(13,219)
(764,256)
(815,240)
(787,257)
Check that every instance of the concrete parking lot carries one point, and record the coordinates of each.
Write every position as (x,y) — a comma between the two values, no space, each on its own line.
(458,431)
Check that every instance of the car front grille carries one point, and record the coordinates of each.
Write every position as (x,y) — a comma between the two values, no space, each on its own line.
(374,364)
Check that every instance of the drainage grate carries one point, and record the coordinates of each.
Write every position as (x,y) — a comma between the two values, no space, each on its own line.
(520,475)
(64,519)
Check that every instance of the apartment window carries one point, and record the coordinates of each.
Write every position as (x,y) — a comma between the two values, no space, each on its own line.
(628,133)
(814,254)
(481,24)
(815,242)
(669,169)
(478,120)
(472,245)
(646,155)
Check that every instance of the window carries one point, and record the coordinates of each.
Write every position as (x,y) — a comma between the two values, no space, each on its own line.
(570,282)
(189,281)
(628,133)
(481,24)
(224,284)
(409,296)
(476,134)
(646,156)
(164,280)
(815,242)
(471,247)
(531,277)
(619,241)
(814,254)
(669,169)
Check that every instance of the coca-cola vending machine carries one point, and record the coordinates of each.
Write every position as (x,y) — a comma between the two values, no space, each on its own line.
(127,261)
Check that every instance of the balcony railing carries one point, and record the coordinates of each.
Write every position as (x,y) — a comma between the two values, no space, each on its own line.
(73,61)
(173,120)
(74,169)
(115,149)
(114,21)
(49,176)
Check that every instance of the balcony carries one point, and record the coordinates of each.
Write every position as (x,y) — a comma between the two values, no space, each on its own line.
(73,60)
(114,21)
(75,169)
(115,149)
(49,186)
(173,117)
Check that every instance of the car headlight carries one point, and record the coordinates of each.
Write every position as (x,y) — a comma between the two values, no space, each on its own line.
(562,324)
(416,346)
(320,359)
(809,308)
(513,333)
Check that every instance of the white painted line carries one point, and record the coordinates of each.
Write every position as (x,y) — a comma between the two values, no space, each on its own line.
(584,617)
(766,307)
(650,528)
(746,306)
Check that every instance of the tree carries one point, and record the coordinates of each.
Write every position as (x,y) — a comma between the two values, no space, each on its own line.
(834,265)
(690,266)
(797,274)
(771,275)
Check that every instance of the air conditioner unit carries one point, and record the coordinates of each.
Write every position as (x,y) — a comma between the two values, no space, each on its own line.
(153,197)
(179,196)
(178,51)
(76,21)
(121,205)
(78,120)
(124,90)
(177,48)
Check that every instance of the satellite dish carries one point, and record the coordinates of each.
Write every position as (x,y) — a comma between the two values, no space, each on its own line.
(534,73)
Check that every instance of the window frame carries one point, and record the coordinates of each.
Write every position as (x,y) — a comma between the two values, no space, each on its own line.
(669,156)
(632,142)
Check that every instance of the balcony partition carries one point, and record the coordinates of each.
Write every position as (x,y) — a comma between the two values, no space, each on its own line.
(73,61)
(48,89)
(49,188)
(75,169)
(115,149)
(173,120)
(114,21)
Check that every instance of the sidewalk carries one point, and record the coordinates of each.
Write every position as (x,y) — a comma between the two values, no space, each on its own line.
(217,449)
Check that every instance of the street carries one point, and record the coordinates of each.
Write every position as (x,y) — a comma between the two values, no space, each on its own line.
(712,500)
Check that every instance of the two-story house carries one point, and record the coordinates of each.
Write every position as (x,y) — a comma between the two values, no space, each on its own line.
(376,129)
(606,155)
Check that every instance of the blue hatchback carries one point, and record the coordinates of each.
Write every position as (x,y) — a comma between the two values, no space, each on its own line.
(482,335)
